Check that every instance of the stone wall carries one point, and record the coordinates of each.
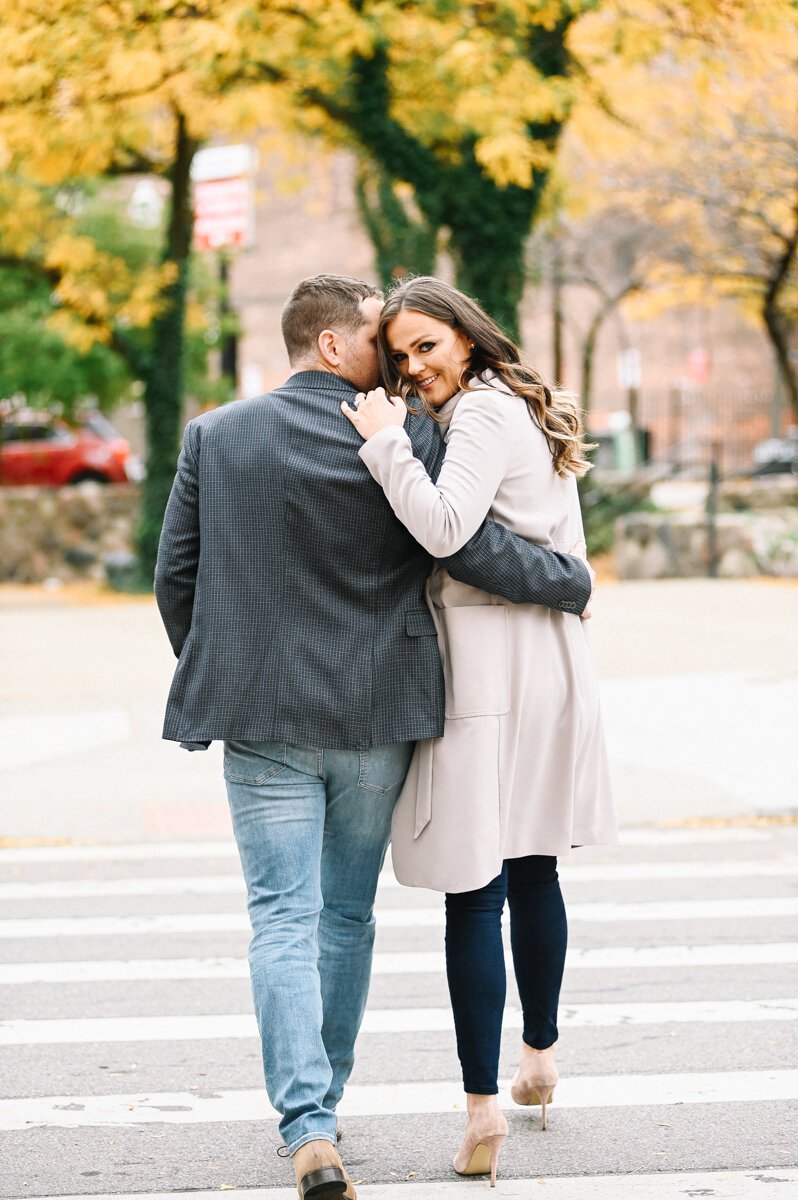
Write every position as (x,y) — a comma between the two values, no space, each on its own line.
(64,533)
(756,533)
(762,492)
(68,533)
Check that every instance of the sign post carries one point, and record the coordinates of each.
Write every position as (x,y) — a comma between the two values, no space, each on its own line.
(224,220)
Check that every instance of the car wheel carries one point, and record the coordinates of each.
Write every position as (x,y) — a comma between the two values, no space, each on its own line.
(87,477)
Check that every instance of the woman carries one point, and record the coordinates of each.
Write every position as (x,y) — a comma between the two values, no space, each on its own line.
(520,775)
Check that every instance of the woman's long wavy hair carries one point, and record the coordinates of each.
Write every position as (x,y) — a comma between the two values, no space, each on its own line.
(556,413)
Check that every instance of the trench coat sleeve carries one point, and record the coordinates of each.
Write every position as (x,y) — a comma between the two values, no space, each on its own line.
(178,550)
(499,561)
(442,516)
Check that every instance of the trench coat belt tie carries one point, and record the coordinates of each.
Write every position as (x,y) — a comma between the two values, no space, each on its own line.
(426,751)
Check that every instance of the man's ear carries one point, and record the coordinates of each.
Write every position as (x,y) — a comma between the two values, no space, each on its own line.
(328,347)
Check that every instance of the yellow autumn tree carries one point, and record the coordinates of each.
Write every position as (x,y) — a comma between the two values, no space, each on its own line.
(131,87)
(705,154)
(465,103)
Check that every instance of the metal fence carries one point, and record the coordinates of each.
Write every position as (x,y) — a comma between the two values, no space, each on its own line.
(687,427)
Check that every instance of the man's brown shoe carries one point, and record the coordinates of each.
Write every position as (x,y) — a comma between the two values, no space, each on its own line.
(320,1173)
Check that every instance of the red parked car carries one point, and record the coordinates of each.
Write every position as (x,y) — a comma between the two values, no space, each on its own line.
(36,448)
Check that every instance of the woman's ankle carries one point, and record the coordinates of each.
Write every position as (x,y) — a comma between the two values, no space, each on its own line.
(478,1102)
(532,1050)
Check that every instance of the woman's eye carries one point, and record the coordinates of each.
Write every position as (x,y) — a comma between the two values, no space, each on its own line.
(425,347)
(397,358)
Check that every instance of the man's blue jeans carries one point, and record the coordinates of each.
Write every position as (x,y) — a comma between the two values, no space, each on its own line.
(312,826)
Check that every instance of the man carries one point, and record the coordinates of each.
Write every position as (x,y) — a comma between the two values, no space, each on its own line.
(293,599)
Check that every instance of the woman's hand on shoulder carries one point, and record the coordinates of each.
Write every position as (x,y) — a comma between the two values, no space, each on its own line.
(374,411)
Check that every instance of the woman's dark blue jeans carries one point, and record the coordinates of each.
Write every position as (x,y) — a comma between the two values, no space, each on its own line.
(475,963)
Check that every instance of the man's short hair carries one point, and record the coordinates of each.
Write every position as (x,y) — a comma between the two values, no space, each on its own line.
(322,302)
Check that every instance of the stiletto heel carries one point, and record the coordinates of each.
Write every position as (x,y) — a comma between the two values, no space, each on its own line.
(535,1081)
(543,1099)
(479,1153)
(496,1145)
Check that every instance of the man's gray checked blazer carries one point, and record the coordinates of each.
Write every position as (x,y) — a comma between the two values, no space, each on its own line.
(292,595)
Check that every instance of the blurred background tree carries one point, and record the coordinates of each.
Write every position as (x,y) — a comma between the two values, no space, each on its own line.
(702,153)
(92,91)
(457,112)
(466,103)
(404,241)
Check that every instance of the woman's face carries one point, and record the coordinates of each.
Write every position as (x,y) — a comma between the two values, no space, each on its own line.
(429,353)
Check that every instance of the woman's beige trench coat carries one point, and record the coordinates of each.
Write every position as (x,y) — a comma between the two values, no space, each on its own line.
(521,768)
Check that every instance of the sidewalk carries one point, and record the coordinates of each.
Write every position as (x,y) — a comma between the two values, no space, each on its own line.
(699,685)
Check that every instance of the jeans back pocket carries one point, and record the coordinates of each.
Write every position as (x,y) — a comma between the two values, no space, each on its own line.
(383,768)
(253,762)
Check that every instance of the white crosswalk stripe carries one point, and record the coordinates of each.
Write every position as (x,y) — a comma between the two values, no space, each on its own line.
(677,984)
(219,885)
(393,1099)
(771,1183)
(391,918)
(156,851)
(392,1020)
(415,962)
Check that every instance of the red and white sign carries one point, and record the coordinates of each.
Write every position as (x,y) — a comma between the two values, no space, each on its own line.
(223,197)
(222,210)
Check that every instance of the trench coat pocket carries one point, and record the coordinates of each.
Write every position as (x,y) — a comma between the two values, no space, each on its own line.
(475,660)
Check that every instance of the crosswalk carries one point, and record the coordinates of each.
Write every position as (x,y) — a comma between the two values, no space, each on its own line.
(131,1064)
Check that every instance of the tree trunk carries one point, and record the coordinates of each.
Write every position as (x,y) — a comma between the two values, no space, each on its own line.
(588,353)
(776,328)
(557,315)
(488,224)
(496,284)
(164,373)
(228,323)
(404,243)
(776,322)
(778,332)
(607,306)
(488,227)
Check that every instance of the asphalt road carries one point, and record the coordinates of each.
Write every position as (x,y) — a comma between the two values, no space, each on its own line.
(128,1059)
(699,691)
(130,1062)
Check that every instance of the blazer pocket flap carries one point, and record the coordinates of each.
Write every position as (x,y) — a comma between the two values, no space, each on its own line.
(420,624)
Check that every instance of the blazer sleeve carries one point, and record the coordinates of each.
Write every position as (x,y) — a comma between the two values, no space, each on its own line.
(496,560)
(442,516)
(178,549)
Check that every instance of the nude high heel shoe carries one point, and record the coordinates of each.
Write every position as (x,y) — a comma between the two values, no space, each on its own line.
(535,1079)
(485,1136)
